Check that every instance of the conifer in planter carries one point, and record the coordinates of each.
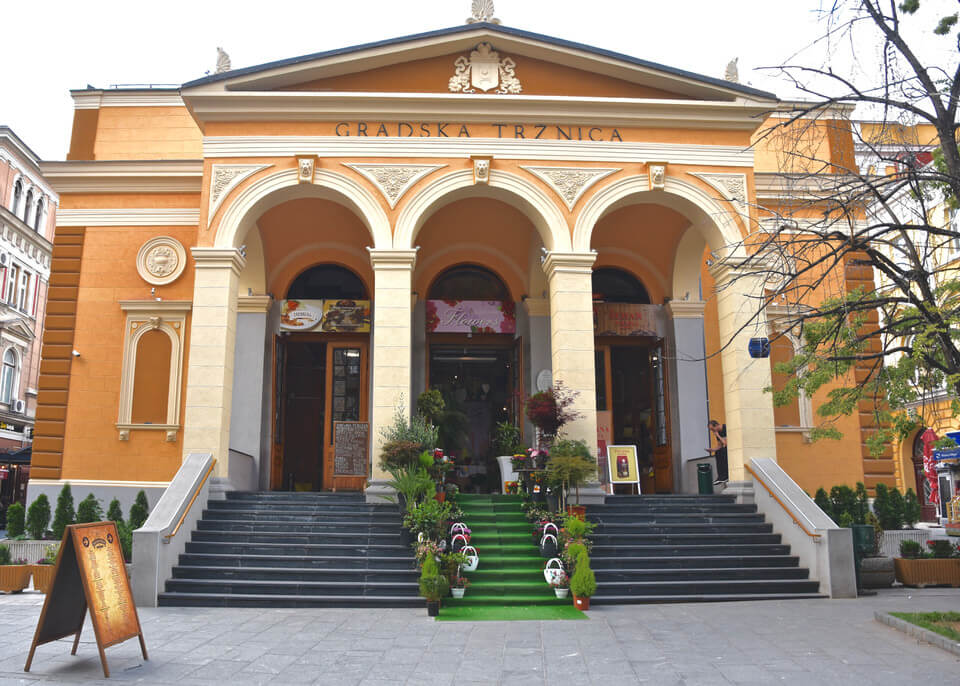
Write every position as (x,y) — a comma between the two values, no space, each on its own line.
(43,571)
(939,567)
(64,514)
(14,574)
(583,583)
(38,516)
(15,520)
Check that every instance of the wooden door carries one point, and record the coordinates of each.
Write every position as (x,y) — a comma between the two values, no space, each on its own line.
(346,393)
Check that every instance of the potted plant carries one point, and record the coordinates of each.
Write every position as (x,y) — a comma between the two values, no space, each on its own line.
(571,465)
(14,574)
(428,518)
(560,583)
(459,586)
(940,566)
(433,585)
(43,570)
(876,570)
(583,583)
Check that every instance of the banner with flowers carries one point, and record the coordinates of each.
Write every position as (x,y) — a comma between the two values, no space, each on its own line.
(471,316)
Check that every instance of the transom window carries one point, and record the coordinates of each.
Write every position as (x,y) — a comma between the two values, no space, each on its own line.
(611,285)
(327,281)
(468,282)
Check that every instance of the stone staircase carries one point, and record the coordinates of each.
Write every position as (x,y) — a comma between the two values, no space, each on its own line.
(283,549)
(685,548)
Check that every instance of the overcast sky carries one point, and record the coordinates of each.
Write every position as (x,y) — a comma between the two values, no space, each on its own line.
(51,46)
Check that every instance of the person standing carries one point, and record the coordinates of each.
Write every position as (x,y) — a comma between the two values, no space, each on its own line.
(719,432)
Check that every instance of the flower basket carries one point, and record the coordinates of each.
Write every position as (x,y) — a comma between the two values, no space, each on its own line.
(14,578)
(473,558)
(581,603)
(561,592)
(553,570)
(42,577)
(928,572)
(458,592)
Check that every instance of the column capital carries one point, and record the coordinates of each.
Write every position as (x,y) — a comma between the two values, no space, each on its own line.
(537,307)
(729,267)
(253,303)
(570,262)
(219,258)
(382,258)
(686,309)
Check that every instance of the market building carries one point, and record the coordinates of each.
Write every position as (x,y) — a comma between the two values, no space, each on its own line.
(245,262)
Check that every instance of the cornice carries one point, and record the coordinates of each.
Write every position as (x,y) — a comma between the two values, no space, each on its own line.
(91,99)
(25,232)
(393,259)
(218,258)
(499,148)
(122,176)
(569,262)
(128,217)
(741,114)
(156,305)
(253,304)
(686,309)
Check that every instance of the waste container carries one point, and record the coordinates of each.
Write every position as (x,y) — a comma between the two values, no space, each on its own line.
(705,479)
(863,545)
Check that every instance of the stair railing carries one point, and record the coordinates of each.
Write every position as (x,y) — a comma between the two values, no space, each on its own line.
(822,547)
(157,545)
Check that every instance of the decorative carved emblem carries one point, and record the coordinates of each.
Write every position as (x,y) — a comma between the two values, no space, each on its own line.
(481,169)
(482,11)
(733,187)
(223,179)
(305,167)
(161,260)
(570,183)
(658,176)
(484,71)
(394,180)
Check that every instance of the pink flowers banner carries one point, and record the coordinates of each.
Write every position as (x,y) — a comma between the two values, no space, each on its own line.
(471,316)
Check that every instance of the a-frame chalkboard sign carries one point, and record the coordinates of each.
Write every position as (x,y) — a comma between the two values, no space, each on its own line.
(90,574)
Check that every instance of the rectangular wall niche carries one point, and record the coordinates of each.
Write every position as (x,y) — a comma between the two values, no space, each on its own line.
(152,366)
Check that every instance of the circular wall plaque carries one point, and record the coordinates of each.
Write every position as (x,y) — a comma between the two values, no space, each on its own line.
(544,380)
(161,260)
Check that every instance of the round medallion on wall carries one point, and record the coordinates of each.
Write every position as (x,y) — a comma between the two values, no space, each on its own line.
(161,260)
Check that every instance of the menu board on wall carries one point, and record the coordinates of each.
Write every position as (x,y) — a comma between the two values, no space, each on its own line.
(350,442)
(90,574)
(625,319)
(471,316)
(325,315)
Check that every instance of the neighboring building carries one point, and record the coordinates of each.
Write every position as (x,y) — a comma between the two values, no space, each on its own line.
(28,206)
(245,260)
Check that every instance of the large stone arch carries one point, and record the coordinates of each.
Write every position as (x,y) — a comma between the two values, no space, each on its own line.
(271,190)
(715,222)
(515,190)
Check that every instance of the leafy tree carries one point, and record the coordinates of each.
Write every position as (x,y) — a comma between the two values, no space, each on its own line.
(114,512)
(64,514)
(89,510)
(38,517)
(15,520)
(883,350)
(139,511)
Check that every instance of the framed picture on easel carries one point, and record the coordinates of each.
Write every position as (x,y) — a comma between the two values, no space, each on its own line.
(622,465)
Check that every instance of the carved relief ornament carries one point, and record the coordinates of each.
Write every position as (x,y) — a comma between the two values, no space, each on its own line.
(223,179)
(394,180)
(733,187)
(161,260)
(570,183)
(484,71)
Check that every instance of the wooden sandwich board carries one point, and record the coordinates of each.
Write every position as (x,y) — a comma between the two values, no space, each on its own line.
(89,574)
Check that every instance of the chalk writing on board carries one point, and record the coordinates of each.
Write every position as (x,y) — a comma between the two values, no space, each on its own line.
(350,443)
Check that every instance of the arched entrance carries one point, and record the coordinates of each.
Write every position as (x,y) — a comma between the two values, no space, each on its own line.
(320,378)
(630,376)
(928,510)
(474,361)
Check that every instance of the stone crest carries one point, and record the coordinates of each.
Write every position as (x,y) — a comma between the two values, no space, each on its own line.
(394,180)
(161,260)
(570,183)
(484,71)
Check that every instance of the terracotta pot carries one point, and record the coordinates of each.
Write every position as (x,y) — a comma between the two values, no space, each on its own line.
(440,497)
(877,572)
(42,577)
(581,603)
(14,578)
(926,572)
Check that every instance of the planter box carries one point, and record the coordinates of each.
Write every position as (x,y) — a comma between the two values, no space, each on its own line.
(944,572)
(31,551)
(14,578)
(877,572)
(42,577)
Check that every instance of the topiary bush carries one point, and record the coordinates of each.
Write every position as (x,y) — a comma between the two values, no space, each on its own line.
(38,517)
(4,556)
(64,514)
(911,508)
(125,534)
(16,515)
(89,510)
(583,583)
(114,512)
(888,506)
(823,502)
(844,500)
(139,511)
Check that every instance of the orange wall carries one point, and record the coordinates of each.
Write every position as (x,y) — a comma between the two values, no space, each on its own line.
(147,133)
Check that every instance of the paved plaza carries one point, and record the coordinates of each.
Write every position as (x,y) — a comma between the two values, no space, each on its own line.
(776,642)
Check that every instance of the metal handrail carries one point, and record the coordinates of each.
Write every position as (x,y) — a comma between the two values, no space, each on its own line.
(173,533)
(780,502)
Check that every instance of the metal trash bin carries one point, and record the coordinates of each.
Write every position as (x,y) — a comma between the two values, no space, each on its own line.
(863,545)
(705,479)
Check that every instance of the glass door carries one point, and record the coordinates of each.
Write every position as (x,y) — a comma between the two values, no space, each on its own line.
(346,393)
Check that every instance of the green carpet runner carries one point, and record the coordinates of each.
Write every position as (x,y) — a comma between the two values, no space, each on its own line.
(510,573)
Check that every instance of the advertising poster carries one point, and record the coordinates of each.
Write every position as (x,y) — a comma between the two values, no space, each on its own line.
(351,316)
(471,316)
(301,315)
(621,319)
(622,464)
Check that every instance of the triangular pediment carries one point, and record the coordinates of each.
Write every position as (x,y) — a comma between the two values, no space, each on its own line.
(14,326)
(427,63)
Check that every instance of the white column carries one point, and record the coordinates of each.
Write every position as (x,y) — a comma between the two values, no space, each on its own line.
(689,387)
(571,342)
(748,407)
(390,353)
(212,340)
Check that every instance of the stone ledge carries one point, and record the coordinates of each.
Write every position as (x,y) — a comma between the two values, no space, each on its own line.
(917,632)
